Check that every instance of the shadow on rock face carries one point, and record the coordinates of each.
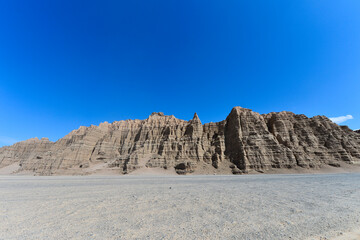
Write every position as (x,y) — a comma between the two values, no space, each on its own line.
(184,168)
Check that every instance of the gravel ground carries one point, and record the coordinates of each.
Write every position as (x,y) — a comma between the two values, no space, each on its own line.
(306,206)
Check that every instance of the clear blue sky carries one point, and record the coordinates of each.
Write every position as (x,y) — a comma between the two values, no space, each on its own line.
(69,63)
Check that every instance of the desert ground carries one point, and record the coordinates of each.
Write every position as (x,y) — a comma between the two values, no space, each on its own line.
(298,206)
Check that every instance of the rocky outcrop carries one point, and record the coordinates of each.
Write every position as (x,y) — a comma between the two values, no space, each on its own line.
(23,152)
(245,141)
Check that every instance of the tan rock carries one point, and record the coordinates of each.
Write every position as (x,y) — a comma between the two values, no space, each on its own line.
(247,139)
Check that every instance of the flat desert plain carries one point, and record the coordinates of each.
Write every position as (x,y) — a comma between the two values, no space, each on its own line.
(299,206)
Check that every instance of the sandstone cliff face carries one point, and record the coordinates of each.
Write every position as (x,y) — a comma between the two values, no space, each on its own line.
(23,151)
(245,141)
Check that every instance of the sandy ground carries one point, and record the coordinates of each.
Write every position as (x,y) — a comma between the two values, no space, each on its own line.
(10,169)
(301,206)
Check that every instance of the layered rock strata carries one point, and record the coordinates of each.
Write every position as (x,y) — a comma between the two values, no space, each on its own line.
(245,141)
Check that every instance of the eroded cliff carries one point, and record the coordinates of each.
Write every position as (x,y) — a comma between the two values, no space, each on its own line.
(245,141)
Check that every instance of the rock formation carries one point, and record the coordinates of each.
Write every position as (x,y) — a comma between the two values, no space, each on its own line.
(245,141)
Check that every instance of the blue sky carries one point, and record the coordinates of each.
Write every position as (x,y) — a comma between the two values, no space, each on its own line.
(64,63)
